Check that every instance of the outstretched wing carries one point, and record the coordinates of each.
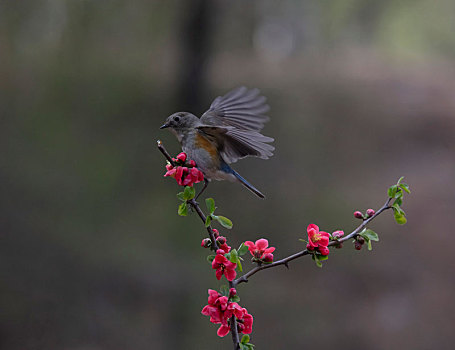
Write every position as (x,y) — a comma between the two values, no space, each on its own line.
(235,121)
(241,108)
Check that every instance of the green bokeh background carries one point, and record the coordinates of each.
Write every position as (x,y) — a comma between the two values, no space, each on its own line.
(92,252)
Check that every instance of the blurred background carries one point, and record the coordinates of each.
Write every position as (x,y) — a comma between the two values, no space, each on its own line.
(92,252)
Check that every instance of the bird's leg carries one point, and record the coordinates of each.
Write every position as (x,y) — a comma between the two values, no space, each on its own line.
(206,183)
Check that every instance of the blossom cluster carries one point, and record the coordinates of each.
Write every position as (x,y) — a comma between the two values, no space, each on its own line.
(220,310)
(185,173)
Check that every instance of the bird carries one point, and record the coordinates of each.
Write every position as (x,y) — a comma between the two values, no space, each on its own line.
(228,131)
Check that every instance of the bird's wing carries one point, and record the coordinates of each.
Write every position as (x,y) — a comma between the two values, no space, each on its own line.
(234,144)
(241,108)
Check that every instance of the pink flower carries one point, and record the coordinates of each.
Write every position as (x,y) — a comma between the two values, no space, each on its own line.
(221,310)
(183,175)
(338,234)
(223,266)
(317,239)
(259,248)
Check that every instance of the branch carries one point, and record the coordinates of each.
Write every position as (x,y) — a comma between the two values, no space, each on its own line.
(286,261)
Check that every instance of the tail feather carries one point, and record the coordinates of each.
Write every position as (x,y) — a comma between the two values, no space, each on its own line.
(247,184)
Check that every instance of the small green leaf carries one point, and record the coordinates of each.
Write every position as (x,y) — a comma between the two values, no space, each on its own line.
(399,217)
(405,187)
(224,290)
(189,193)
(224,221)
(392,191)
(233,255)
(183,209)
(239,265)
(180,196)
(370,247)
(210,203)
(316,260)
(245,339)
(208,220)
(399,180)
(210,258)
(398,201)
(370,234)
(235,299)
(303,240)
(242,249)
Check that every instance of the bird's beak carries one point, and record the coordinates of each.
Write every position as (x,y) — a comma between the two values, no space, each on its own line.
(164,126)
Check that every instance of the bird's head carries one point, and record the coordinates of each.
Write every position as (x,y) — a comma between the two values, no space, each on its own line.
(180,122)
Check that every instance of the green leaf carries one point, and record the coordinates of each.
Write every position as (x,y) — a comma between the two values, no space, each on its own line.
(398,201)
(392,191)
(189,193)
(303,240)
(224,290)
(180,196)
(316,260)
(235,299)
(183,209)
(242,249)
(208,220)
(370,247)
(233,255)
(210,203)
(245,339)
(399,180)
(239,265)
(399,217)
(405,187)
(370,234)
(224,221)
(210,258)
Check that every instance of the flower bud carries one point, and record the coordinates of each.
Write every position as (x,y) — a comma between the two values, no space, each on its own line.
(181,157)
(357,245)
(192,163)
(358,215)
(370,212)
(268,257)
(206,242)
(220,252)
(360,239)
(221,240)
(232,292)
(215,232)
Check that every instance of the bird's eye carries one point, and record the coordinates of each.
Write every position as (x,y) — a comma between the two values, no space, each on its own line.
(177,119)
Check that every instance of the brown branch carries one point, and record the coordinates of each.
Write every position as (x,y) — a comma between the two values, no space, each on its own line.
(288,259)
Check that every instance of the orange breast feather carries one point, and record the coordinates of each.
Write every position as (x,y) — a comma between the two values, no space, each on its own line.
(202,142)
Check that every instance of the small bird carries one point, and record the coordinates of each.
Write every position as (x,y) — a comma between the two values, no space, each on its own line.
(229,130)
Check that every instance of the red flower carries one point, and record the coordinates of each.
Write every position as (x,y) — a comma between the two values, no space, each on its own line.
(223,266)
(317,239)
(259,248)
(183,175)
(221,310)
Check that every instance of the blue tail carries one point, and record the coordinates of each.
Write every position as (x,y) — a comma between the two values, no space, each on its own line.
(245,183)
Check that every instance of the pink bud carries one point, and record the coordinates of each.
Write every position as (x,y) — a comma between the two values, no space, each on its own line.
(182,157)
(268,257)
(357,245)
(192,163)
(206,243)
(221,240)
(215,232)
(220,252)
(358,215)
(232,292)
(370,212)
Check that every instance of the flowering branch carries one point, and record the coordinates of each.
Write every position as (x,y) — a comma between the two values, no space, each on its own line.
(288,259)
(223,307)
